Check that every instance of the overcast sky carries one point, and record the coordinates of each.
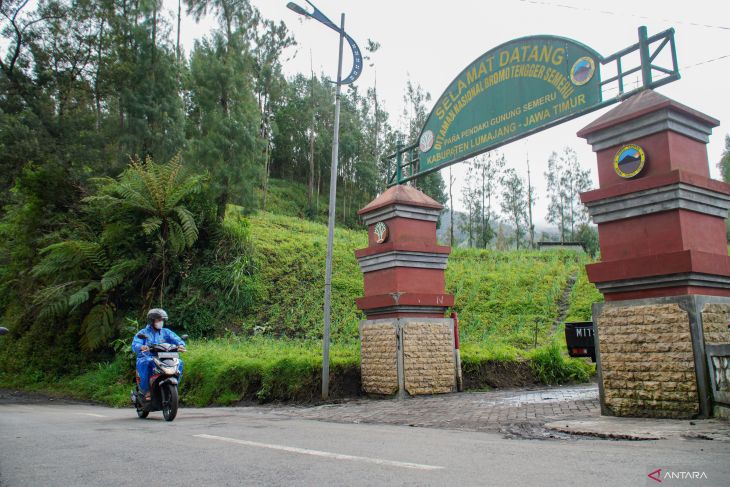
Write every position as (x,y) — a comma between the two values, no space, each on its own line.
(431,41)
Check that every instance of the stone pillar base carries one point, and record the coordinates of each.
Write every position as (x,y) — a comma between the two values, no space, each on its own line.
(407,355)
(651,354)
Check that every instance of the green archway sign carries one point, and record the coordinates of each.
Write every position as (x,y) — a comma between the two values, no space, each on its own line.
(518,88)
(507,92)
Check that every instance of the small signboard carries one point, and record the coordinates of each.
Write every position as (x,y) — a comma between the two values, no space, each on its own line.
(515,89)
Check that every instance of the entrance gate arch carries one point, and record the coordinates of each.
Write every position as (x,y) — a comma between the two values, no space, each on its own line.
(664,273)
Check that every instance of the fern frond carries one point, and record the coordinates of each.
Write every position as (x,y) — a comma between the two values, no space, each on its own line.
(151,225)
(97,327)
(119,272)
(176,238)
(82,295)
(190,228)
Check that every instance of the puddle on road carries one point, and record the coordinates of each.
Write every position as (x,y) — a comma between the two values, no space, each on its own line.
(542,397)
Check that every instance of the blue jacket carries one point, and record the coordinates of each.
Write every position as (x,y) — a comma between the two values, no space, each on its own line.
(165,335)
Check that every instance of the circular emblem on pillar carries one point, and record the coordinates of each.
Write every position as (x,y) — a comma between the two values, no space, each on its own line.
(381,232)
(582,71)
(426,141)
(629,161)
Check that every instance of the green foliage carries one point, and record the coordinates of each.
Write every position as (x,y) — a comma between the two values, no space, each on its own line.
(503,295)
(290,198)
(582,297)
(223,119)
(87,280)
(551,366)
(724,163)
(588,236)
(565,181)
(289,255)
(220,286)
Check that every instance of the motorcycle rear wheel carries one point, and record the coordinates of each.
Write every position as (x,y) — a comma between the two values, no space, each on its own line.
(142,414)
(169,410)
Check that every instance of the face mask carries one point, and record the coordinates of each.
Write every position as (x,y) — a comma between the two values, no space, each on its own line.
(158,325)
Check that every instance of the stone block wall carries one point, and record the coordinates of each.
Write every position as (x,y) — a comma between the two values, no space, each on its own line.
(425,365)
(715,318)
(647,361)
(428,356)
(378,357)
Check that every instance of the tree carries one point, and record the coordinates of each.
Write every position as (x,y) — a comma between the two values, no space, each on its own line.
(530,203)
(556,194)
(724,164)
(566,180)
(489,168)
(271,40)
(144,208)
(471,199)
(415,114)
(575,181)
(223,121)
(514,203)
(451,208)
(588,236)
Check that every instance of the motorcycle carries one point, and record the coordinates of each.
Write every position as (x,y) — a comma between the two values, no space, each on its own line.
(163,382)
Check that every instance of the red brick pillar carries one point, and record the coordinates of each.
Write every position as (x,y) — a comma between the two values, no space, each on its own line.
(406,343)
(664,260)
(404,267)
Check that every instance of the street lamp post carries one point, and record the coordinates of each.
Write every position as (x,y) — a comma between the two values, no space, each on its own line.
(354,74)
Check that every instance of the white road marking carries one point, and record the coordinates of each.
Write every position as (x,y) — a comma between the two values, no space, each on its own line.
(325,454)
(92,414)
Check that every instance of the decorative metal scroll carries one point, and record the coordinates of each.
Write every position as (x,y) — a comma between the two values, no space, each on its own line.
(317,14)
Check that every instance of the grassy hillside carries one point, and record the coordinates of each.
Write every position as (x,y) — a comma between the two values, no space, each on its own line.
(506,302)
(290,198)
(505,297)
(289,257)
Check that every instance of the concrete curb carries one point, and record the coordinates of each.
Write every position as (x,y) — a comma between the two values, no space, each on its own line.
(638,429)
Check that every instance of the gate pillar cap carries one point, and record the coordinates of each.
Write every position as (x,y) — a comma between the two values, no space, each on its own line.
(640,105)
(401,194)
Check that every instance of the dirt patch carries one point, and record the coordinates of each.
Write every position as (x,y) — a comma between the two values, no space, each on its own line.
(498,375)
(532,431)
(344,384)
(12,396)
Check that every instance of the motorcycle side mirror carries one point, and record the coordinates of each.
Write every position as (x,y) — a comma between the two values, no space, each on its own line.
(142,336)
(3,330)
(184,337)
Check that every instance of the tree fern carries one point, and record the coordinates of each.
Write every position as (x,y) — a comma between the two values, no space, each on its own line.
(143,209)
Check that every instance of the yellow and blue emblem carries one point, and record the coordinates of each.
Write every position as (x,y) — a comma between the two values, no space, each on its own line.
(629,161)
(582,70)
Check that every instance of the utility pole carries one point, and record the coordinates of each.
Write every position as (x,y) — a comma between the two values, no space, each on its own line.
(354,74)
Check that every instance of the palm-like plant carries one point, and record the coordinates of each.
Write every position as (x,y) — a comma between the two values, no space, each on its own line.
(154,194)
(145,207)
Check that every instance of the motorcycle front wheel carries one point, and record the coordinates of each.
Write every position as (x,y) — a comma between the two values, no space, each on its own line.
(169,408)
(142,414)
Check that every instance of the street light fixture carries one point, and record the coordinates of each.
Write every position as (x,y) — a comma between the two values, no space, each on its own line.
(317,15)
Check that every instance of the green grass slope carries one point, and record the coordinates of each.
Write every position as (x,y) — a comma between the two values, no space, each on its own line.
(506,302)
(289,256)
(502,297)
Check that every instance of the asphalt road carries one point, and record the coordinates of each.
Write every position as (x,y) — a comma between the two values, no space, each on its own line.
(68,444)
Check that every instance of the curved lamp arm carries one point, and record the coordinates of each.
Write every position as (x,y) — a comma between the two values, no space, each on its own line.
(317,14)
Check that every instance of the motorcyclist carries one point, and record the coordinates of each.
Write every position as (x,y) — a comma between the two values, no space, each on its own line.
(156,333)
